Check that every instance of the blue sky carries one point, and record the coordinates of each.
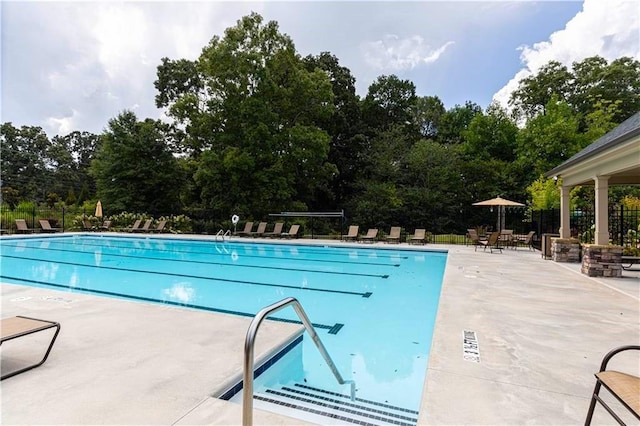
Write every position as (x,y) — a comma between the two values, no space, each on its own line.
(74,65)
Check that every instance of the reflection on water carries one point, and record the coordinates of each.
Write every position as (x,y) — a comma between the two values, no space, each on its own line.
(179,292)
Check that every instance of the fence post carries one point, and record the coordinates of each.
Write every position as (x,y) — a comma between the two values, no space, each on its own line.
(63,213)
(621,240)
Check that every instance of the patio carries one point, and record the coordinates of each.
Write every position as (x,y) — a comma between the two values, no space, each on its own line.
(542,330)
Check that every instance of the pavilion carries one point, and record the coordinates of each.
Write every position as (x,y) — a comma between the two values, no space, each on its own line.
(614,159)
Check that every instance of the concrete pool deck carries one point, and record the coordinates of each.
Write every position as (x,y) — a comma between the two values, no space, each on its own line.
(542,330)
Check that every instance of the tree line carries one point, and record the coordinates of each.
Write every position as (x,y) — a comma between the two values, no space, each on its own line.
(257,129)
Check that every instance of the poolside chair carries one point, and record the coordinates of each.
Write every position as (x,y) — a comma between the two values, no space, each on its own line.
(419,236)
(87,225)
(22,228)
(160,226)
(293,232)
(493,242)
(476,241)
(624,387)
(19,326)
(247,229)
(526,241)
(262,226)
(394,234)
(371,236)
(277,230)
(135,227)
(352,235)
(46,226)
(106,225)
(145,227)
(507,238)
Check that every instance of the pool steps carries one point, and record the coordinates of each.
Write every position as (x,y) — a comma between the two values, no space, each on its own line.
(323,406)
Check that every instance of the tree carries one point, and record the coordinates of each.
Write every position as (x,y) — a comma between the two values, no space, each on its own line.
(252,110)
(23,166)
(490,136)
(535,92)
(428,113)
(582,87)
(549,139)
(133,169)
(69,158)
(455,121)
(390,102)
(345,128)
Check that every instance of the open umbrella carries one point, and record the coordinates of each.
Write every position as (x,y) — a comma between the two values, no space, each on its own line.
(501,203)
(98,209)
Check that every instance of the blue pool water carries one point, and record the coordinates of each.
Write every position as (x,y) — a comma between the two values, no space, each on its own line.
(374,309)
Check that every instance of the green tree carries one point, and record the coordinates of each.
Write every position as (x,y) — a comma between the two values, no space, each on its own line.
(390,102)
(428,113)
(252,111)
(133,168)
(23,161)
(544,194)
(455,121)
(490,136)
(549,139)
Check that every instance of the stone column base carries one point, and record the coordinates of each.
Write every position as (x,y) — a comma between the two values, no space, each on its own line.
(602,261)
(565,250)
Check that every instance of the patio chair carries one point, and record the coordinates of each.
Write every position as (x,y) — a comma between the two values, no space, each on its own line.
(526,241)
(106,225)
(475,239)
(145,227)
(371,236)
(277,230)
(135,227)
(293,232)
(624,387)
(493,242)
(247,229)
(22,228)
(19,326)
(419,237)
(160,227)
(394,234)
(352,235)
(262,226)
(87,226)
(507,238)
(46,226)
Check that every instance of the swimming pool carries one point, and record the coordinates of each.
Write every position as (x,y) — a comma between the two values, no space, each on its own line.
(374,308)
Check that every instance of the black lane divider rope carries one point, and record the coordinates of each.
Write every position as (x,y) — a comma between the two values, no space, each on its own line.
(169,302)
(226,254)
(352,293)
(202,262)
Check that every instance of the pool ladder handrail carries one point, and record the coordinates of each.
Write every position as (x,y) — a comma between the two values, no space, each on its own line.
(247,376)
(223,234)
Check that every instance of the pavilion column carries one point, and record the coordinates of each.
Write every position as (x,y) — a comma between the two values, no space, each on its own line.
(602,210)
(565,221)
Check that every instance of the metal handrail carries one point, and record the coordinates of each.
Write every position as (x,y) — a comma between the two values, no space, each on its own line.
(222,233)
(247,377)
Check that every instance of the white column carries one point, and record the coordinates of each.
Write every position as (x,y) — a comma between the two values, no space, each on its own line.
(602,210)
(565,221)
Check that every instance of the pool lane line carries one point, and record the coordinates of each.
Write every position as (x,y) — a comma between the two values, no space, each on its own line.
(169,302)
(351,293)
(217,253)
(202,262)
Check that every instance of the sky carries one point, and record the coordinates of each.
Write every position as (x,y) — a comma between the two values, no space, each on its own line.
(69,66)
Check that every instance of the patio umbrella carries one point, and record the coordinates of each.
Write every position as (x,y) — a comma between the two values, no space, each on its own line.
(98,209)
(501,203)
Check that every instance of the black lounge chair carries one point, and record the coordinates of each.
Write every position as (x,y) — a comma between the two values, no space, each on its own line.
(19,326)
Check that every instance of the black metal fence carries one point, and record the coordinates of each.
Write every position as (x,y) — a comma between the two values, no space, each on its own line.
(623,224)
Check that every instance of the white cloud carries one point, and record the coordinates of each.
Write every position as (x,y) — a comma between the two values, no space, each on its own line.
(610,29)
(398,54)
(64,125)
